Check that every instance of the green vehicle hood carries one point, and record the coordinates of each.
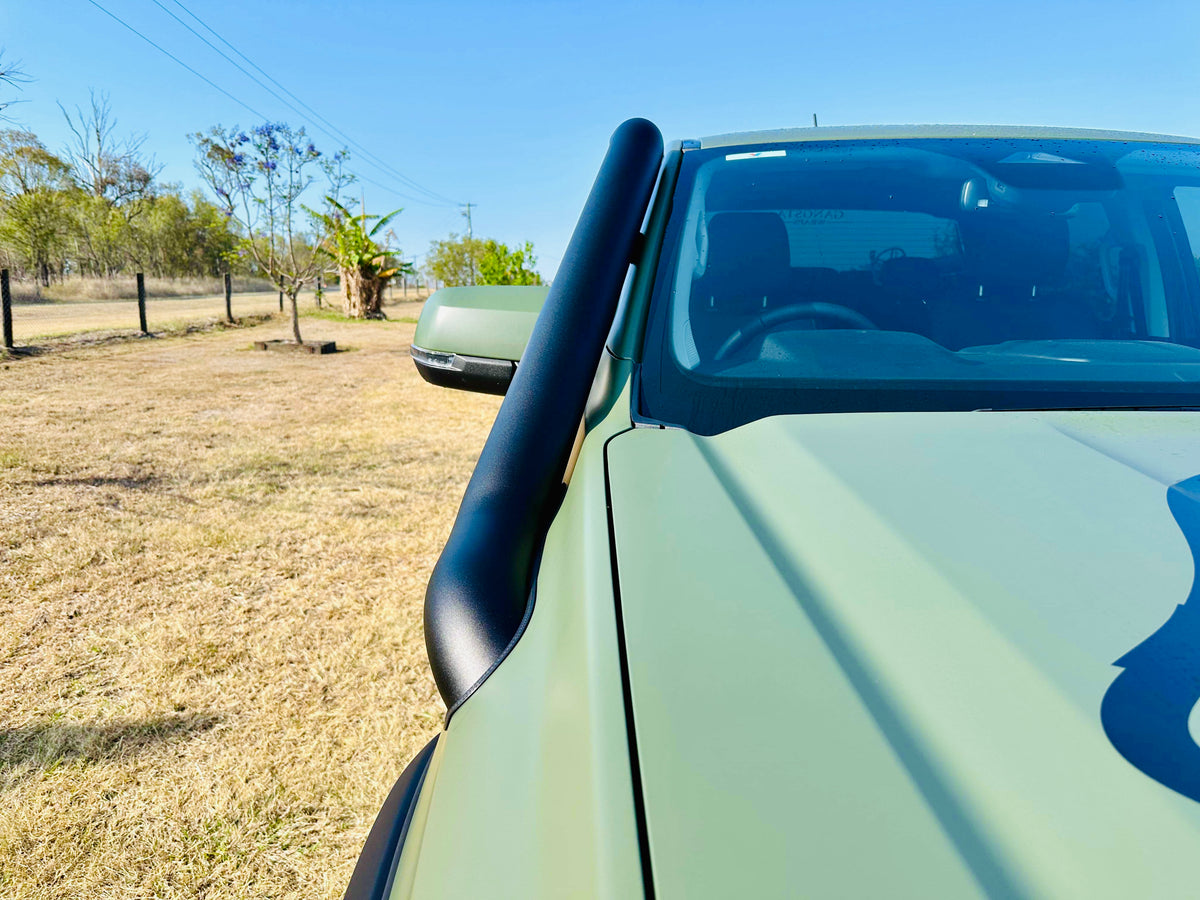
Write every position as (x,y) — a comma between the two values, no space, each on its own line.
(877,654)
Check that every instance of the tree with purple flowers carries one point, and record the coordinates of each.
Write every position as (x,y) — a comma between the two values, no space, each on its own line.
(258,178)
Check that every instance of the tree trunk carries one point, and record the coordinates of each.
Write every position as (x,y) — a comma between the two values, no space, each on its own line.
(295,317)
(362,294)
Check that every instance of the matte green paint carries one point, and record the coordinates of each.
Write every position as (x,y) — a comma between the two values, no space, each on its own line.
(896,132)
(867,652)
(763,774)
(493,322)
(532,796)
(406,869)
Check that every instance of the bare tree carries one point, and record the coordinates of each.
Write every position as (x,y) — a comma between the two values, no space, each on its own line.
(11,76)
(117,178)
(106,166)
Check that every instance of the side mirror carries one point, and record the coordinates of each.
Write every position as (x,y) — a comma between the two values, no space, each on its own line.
(471,338)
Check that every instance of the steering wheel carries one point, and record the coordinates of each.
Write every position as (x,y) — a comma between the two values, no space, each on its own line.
(883,256)
(834,312)
(889,254)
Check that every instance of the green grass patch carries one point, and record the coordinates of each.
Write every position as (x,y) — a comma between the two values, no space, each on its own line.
(333,315)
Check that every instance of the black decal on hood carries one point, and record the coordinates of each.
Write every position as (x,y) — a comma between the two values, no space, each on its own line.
(1145,710)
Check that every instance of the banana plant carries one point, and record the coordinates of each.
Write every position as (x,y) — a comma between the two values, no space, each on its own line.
(362,263)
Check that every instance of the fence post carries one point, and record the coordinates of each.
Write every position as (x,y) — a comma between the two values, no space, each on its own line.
(228,298)
(141,286)
(281,301)
(6,302)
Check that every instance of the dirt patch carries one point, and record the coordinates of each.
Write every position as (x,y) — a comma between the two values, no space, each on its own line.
(212,563)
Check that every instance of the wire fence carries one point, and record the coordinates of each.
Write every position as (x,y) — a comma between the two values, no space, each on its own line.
(33,316)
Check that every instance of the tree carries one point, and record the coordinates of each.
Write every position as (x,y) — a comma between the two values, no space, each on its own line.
(213,245)
(34,213)
(116,182)
(26,165)
(460,260)
(499,265)
(174,237)
(111,168)
(258,179)
(452,261)
(102,236)
(365,268)
(11,76)
(52,219)
(35,225)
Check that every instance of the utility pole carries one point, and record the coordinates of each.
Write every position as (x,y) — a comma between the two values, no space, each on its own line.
(470,239)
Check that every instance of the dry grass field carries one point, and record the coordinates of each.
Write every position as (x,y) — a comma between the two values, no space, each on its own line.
(34,323)
(212,562)
(124,287)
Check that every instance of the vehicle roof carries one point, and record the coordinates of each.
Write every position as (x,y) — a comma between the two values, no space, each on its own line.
(893,132)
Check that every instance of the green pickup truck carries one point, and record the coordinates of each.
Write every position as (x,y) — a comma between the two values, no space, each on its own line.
(837,534)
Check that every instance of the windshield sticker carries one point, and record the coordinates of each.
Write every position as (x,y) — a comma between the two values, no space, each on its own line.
(758,154)
(1146,711)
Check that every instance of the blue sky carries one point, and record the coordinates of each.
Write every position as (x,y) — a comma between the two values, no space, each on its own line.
(510,105)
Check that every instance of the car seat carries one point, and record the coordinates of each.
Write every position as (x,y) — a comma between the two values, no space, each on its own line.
(1013,287)
(748,270)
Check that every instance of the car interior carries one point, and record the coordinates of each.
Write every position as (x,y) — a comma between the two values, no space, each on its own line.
(959,257)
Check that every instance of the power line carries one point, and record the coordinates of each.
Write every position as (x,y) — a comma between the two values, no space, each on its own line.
(171,55)
(266,88)
(231,61)
(379,163)
(226,93)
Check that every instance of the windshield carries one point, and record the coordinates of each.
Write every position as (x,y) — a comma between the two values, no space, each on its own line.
(926,275)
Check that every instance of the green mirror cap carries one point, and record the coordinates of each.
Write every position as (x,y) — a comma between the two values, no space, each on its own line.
(487,322)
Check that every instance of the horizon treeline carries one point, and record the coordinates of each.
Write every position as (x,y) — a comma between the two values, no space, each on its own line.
(95,207)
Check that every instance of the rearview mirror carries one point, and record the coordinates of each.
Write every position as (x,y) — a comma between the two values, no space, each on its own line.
(472,338)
